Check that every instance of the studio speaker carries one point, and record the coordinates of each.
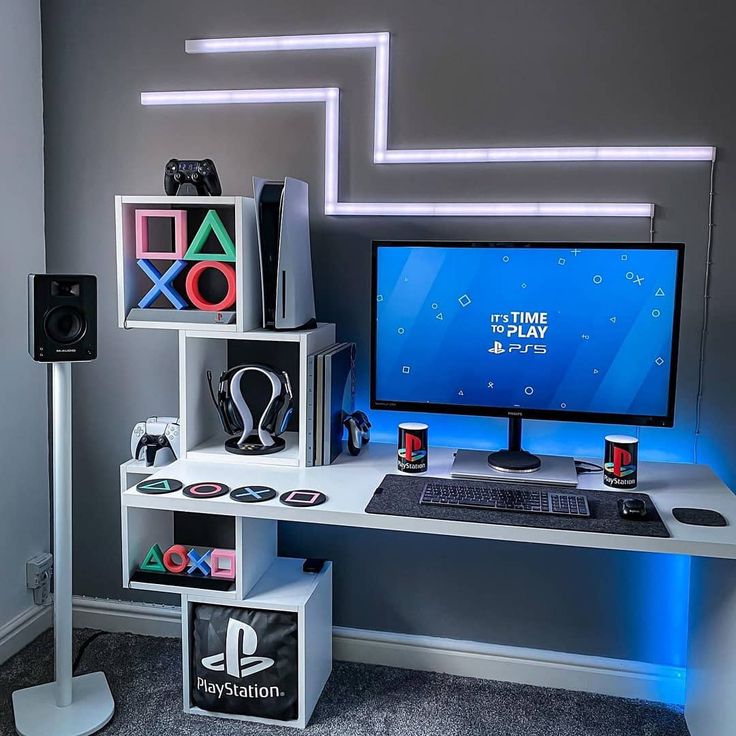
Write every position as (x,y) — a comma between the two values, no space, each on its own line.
(62,317)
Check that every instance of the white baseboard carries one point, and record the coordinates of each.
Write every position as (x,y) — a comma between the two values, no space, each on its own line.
(23,629)
(621,678)
(122,616)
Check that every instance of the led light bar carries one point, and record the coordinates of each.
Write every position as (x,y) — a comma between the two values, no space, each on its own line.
(380,42)
(491,209)
(286,43)
(238,96)
(569,153)
(330,96)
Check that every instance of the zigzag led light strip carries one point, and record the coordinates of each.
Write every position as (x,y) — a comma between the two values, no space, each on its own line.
(330,96)
(381,154)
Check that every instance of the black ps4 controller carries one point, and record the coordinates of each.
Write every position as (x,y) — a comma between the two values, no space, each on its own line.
(191,177)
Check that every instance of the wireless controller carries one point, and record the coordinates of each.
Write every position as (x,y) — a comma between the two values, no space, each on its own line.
(359,431)
(156,440)
(191,177)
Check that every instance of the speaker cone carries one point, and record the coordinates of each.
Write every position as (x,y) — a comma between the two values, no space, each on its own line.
(65,325)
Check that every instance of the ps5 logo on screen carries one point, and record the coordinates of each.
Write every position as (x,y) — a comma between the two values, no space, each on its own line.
(497,348)
(237,659)
(515,347)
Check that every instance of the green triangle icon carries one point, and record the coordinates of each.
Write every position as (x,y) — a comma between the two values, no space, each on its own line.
(211,224)
(156,485)
(153,561)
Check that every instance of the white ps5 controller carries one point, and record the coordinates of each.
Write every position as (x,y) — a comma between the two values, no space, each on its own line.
(157,441)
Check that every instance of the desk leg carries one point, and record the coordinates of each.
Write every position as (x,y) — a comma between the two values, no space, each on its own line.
(710,701)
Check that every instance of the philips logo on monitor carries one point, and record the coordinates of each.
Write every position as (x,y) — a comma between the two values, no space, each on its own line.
(586,332)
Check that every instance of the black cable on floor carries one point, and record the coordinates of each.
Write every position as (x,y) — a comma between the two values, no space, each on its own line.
(83,648)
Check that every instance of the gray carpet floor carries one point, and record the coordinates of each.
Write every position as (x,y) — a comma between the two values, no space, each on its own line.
(360,700)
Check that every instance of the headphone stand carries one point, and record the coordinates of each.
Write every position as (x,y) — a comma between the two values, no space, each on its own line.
(254,446)
(69,706)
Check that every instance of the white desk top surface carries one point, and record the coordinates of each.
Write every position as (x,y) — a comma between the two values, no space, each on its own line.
(349,484)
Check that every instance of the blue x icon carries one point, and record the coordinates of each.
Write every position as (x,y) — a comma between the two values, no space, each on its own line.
(258,495)
(162,284)
(198,564)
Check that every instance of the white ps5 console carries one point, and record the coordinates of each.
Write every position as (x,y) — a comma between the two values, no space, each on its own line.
(282,219)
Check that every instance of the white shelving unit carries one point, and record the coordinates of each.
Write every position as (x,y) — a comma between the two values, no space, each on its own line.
(255,550)
(283,587)
(201,434)
(262,579)
(133,283)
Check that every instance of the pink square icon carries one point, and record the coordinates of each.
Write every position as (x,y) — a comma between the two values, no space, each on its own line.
(141,235)
(222,563)
(305,497)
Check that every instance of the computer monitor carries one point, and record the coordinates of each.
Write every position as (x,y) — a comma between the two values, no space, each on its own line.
(584,332)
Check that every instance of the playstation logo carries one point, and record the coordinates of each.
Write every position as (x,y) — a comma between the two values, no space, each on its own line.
(497,348)
(237,660)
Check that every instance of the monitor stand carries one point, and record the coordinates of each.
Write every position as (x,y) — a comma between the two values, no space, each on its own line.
(515,464)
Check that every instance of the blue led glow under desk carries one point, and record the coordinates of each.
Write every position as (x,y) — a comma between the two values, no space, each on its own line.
(349,483)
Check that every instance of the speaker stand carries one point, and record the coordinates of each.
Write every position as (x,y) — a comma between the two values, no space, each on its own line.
(69,706)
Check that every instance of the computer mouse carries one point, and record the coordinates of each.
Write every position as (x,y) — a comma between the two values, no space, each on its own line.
(632,508)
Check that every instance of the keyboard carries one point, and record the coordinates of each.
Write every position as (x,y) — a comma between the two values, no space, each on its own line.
(504,497)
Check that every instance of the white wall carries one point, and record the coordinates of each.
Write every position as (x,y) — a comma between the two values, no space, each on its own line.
(24,498)
(471,73)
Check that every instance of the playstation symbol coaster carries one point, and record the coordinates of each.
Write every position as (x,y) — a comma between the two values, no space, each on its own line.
(253,494)
(302,498)
(160,485)
(206,490)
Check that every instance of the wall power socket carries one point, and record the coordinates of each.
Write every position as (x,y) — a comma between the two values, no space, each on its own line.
(39,570)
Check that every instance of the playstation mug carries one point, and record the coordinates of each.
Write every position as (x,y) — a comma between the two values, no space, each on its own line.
(620,463)
(412,457)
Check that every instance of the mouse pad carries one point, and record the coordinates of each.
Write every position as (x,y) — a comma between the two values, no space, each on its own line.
(699,517)
(398,495)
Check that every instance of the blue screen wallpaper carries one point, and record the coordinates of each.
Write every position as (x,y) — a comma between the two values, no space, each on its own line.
(560,328)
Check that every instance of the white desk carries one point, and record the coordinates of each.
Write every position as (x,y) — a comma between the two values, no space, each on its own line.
(349,485)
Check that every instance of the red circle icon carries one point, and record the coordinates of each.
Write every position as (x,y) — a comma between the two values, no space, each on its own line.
(192,286)
(170,563)
(207,489)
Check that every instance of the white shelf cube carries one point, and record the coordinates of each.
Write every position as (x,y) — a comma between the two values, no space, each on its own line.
(255,550)
(133,283)
(283,587)
(202,436)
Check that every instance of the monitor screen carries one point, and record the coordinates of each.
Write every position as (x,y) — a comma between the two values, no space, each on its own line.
(585,332)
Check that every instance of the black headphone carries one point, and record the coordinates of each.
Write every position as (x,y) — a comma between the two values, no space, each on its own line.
(236,416)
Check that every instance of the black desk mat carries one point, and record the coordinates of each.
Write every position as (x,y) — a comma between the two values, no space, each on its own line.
(398,495)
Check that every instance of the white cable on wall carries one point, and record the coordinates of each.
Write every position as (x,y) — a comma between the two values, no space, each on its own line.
(706,314)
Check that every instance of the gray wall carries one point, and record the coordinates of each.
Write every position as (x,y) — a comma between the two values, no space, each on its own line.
(24,525)
(464,73)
